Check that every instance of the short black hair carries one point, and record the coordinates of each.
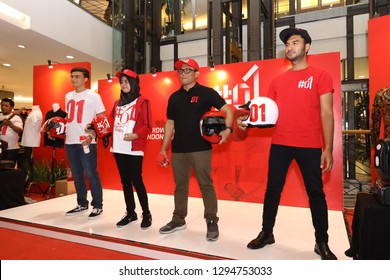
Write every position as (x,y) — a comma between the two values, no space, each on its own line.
(82,70)
(9,100)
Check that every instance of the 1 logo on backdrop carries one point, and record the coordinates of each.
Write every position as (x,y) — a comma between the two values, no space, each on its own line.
(243,92)
(239,94)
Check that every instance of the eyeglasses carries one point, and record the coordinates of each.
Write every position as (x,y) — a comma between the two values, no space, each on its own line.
(186,70)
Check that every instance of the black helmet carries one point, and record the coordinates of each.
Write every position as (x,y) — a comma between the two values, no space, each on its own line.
(211,124)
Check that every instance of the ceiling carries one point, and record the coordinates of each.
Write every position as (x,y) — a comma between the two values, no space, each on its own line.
(18,78)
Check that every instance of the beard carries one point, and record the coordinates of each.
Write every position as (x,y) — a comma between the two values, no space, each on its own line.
(296,55)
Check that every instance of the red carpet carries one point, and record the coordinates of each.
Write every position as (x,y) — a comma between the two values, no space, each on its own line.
(16,245)
(348,216)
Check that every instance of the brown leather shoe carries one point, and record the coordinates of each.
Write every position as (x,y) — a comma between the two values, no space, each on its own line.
(323,250)
(261,240)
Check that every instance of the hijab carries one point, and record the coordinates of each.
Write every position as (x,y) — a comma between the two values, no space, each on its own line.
(133,94)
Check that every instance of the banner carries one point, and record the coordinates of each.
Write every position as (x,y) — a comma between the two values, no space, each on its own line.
(239,169)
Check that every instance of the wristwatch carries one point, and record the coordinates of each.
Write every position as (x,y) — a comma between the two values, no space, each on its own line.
(229,127)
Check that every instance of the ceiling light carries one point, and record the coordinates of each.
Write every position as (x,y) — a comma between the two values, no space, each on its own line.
(20,98)
(6,64)
(69,56)
(14,16)
(22,46)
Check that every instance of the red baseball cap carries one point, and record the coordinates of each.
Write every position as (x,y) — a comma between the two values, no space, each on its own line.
(188,61)
(126,72)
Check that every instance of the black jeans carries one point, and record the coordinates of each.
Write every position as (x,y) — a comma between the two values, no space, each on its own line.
(308,160)
(130,171)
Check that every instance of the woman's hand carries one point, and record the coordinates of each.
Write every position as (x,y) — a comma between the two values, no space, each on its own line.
(130,136)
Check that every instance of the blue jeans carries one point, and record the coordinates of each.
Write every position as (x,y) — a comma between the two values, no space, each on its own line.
(85,164)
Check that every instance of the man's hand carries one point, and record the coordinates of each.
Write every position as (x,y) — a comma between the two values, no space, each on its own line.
(326,161)
(7,122)
(240,122)
(162,159)
(225,135)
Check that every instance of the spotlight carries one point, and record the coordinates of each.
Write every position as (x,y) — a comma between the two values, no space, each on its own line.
(154,71)
(109,78)
(212,67)
(51,62)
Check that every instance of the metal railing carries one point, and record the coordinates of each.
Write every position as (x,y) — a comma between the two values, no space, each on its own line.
(356,164)
(98,8)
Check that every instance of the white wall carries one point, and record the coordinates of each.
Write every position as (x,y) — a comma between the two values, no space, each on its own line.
(65,22)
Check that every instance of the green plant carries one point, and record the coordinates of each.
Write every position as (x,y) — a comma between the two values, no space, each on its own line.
(42,171)
(60,171)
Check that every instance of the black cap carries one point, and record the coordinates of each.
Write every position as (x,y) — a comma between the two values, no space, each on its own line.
(288,32)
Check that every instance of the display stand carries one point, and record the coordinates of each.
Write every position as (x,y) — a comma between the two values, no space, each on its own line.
(52,176)
(30,177)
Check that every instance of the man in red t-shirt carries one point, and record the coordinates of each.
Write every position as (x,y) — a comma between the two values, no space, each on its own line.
(304,133)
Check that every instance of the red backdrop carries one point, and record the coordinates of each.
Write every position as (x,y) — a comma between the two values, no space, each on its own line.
(378,42)
(239,168)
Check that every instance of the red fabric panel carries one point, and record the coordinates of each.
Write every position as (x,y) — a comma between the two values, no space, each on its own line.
(379,58)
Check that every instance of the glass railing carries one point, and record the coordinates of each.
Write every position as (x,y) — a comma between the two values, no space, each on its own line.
(98,8)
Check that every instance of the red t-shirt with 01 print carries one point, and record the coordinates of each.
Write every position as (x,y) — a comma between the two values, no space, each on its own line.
(297,94)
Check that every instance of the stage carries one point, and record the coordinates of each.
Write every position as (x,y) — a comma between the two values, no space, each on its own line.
(239,223)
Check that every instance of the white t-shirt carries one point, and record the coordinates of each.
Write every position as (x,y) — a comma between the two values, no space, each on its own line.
(81,109)
(124,123)
(8,134)
(32,126)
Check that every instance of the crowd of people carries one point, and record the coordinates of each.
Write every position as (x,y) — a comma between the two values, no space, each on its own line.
(310,144)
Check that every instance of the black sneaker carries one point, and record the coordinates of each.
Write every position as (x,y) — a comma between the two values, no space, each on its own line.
(96,213)
(127,219)
(78,210)
(146,221)
(212,231)
(172,226)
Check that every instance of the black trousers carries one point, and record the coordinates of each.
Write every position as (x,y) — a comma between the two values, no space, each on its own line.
(130,171)
(308,160)
(11,188)
(11,155)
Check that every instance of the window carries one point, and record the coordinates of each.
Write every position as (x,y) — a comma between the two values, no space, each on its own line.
(282,7)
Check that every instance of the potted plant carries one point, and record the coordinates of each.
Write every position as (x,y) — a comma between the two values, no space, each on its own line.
(42,171)
(44,177)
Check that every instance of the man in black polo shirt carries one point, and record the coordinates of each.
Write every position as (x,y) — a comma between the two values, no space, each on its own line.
(189,150)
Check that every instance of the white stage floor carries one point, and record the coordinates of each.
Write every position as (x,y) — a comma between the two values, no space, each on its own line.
(239,223)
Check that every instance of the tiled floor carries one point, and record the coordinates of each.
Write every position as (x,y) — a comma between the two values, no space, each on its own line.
(239,223)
